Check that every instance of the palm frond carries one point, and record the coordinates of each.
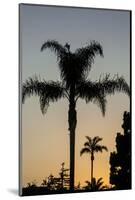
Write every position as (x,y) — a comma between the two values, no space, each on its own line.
(96,91)
(86,144)
(91,93)
(104,148)
(101,102)
(95,185)
(89,140)
(54,46)
(100,183)
(100,148)
(84,150)
(111,85)
(47,91)
(32,86)
(97,139)
(87,54)
(99,180)
(87,90)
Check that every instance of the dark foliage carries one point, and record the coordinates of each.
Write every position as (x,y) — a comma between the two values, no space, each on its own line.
(95,185)
(120,160)
(50,185)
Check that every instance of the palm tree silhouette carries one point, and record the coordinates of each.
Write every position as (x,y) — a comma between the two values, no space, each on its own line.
(92,147)
(74,70)
(95,185)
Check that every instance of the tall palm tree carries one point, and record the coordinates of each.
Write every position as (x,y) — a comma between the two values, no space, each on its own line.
(91,147)
(74,69)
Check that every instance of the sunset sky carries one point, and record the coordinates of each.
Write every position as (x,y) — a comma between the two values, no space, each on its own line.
(45,138)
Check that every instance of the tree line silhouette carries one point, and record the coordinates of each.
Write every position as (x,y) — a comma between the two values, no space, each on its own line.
(120,160)
(120,167)
(75,84)
(60,184)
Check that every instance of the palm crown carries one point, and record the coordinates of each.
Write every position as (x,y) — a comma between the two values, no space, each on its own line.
(92,146)
(74,71)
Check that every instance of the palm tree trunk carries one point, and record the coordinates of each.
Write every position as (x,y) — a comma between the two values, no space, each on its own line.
(72,120)
(92,159)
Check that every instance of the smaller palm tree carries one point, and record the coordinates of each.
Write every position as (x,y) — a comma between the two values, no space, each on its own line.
(92,147)
(95,185)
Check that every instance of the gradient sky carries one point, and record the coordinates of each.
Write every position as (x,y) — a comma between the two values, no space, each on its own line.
(46,138)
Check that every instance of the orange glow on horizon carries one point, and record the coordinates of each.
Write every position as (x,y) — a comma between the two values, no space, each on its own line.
(45,146)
